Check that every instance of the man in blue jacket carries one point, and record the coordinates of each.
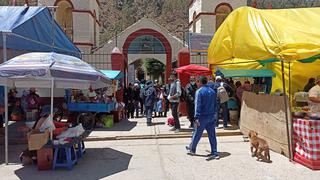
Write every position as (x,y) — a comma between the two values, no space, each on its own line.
(149,95)
(205,107)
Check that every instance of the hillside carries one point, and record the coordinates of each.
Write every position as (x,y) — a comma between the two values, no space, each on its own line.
(120,14)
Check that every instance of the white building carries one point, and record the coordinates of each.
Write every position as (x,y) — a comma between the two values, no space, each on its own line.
(79,19)
(205,16)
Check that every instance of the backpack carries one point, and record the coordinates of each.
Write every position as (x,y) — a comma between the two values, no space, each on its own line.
(222,94)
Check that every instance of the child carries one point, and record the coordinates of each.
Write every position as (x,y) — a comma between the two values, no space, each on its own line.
(159,107)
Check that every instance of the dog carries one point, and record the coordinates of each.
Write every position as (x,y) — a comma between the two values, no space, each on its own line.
(260,145)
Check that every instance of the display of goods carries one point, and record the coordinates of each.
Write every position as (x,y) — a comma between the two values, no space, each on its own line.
(314,116)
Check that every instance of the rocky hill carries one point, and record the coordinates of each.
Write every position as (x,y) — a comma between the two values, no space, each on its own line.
(117,15)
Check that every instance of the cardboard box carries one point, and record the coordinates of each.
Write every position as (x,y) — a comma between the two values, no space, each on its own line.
(44,158)
(37,139)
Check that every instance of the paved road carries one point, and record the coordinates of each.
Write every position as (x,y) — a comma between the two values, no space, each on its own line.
(164,159)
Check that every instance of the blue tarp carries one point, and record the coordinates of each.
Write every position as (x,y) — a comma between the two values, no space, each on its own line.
(31,29)
(112,74)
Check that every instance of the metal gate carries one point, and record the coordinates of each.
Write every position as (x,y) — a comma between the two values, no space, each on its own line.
(99,61)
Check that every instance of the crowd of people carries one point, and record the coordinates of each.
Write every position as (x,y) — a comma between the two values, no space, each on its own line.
(145,98)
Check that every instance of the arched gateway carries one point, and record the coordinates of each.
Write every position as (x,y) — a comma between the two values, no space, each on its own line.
(143,40)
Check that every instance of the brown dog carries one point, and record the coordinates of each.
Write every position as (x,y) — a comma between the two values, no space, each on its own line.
(260,145)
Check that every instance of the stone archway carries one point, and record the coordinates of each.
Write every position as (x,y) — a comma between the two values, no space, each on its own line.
(158,35)
(151,67)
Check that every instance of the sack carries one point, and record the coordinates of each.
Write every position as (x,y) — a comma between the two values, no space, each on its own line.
(222,94)
(107,121)
(170,121)
(72,132)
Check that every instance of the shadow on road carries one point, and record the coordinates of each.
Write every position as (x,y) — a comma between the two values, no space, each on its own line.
(221,154)
(97,163)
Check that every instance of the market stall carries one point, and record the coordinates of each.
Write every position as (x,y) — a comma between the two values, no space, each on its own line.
(50,70)
(96,107)
(262,77)
(116,77)
(278,40)
(22,32)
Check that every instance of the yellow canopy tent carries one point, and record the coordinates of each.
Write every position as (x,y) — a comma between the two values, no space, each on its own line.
(259,39)
(286,41)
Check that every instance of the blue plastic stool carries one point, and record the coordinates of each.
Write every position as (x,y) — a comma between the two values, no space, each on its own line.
(64,156)
(81,149)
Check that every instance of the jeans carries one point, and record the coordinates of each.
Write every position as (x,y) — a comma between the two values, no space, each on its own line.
(149,110)
(225,113)
(207,125)
(174,109)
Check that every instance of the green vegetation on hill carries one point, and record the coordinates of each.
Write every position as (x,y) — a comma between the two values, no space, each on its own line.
(117,15)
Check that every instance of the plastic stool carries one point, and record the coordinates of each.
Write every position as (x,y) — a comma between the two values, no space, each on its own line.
(81,149)
(65,157)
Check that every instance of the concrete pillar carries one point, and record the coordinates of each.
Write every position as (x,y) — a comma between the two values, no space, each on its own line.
(118,63)
(183,60)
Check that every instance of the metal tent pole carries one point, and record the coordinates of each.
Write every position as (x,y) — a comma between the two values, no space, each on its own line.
(4,41)
(285,98)
(51,107)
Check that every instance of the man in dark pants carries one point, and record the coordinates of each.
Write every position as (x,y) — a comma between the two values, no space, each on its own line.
(174,98)
(149,94)
(129,101)
(205,107)
(223,106)
(191,89)
(142,86)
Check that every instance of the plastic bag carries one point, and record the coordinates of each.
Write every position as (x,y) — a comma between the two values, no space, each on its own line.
(72,132)
(108,121)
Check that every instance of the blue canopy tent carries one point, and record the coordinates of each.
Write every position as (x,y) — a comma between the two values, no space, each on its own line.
(32,29)
(111,74)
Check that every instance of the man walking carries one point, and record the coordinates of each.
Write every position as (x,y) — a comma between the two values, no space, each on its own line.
(150,97)
(174,98)
(205,107)
(191,89)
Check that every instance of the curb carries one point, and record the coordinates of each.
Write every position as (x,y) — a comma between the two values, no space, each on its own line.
(159,136)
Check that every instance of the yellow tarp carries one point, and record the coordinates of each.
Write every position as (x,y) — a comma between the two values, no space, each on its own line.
(250,35)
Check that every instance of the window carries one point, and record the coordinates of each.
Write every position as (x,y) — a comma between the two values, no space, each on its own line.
(64,17)
(222,11)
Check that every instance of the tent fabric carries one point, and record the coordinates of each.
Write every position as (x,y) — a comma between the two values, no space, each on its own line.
(258,39)
(111,74)
(31,30)
(245,73)
(193,69)
(253,34)
(67,71)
